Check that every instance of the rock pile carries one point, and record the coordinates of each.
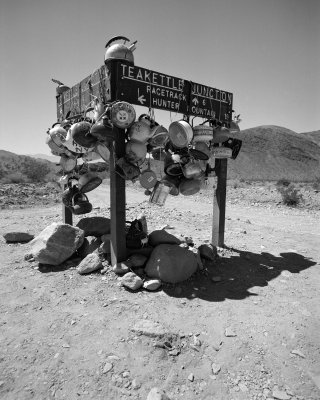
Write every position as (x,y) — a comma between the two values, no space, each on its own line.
(160,257)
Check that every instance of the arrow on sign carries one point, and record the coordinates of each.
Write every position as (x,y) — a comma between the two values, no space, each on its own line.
(141,98)
(195,101)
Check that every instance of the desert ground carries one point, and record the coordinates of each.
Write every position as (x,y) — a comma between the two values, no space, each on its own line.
(244,328)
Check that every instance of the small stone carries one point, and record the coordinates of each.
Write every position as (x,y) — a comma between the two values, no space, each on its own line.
(135,384)
(152,284)
(229,332)
(126,374)
(157,394)
(280,395)
(196,341)
(216,368)
(120,268)
(149,328)
(107,367)
(131,281)
(298,353)
(191,377)
(66,345)
(89,264)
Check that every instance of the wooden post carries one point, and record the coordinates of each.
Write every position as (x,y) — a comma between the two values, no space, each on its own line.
(219,203)
(117,185)
(66,215)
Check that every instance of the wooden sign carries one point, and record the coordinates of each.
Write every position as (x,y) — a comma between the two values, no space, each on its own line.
(152,89)
(80,96)
(210,103)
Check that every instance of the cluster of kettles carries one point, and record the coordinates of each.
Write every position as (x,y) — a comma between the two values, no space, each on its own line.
(184,149)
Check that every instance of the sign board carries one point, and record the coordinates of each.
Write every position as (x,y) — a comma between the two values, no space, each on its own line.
(79,97)
(210,103)
(143,87)
(152,89)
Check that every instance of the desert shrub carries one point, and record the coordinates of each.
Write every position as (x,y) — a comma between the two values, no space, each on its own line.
(35,170)
(15,177)
(316,184)
(290,194)
(283,182)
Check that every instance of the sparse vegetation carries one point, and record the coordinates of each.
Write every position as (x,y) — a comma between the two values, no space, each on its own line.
(289,193)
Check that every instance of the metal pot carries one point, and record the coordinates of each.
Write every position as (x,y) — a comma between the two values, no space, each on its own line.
(180,133)
(56,139)
(140,131)
(127,170)
(80,133)
(67,164)
(102,130)
(160,193)
(80,204)
(202,133)
(172,165)
(159,136)
(103,151)
(135,152)
(148,179)
(123,114)
(192,170)
(119,51)
(89,182)
(220,135)
(189,187)
(221,152)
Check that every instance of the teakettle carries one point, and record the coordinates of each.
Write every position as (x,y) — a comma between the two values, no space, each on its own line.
(119,51)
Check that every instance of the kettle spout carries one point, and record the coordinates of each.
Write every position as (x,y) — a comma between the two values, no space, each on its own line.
(132,46)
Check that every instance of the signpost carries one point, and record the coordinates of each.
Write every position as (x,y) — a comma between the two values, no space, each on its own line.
(143,87)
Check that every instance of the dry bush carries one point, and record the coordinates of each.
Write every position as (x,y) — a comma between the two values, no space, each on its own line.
(15,177)
(289,193)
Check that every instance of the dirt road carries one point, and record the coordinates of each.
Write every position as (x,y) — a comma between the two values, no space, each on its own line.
(245,328)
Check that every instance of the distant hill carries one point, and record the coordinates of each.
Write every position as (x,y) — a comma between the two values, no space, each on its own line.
(272,152)
(25,168)
(314,136)
(53,159)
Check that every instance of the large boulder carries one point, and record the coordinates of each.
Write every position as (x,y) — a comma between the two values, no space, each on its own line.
(171,263)
(94,226)
(161,236)
(56,243)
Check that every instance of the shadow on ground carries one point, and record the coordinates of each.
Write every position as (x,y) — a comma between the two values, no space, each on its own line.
(239,273)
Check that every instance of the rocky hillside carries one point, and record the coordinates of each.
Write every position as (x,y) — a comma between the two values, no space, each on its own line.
(16,168)
(271,152)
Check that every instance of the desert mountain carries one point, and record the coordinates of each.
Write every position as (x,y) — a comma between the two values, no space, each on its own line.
(25,168)
(53,159)
(272,152)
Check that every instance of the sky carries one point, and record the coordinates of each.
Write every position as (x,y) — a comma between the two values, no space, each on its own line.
(265,52)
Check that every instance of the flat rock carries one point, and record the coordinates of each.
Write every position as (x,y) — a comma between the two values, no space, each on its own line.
(171,263)
(229,332)
(152,284)
(94,226)
(56,243)
(149,328)
(89,264)
(18,237)
(131,281)
(161,236)
(216,368)
(157,394)
(280,395)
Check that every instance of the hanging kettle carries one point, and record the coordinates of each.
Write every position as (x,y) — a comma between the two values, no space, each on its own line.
(135,152)
(148,178)
(192,170)
(159,136)
(102,130)
(127,170)
(119,51)
(140,131)
(220,134)
(80,204)
(68,164)
(56,139)
(202,133)
(89,182)
(188,187)
(180,133)
(80,133)
(122,114)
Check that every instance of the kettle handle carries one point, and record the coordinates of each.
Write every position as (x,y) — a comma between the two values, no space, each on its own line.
(115,38)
